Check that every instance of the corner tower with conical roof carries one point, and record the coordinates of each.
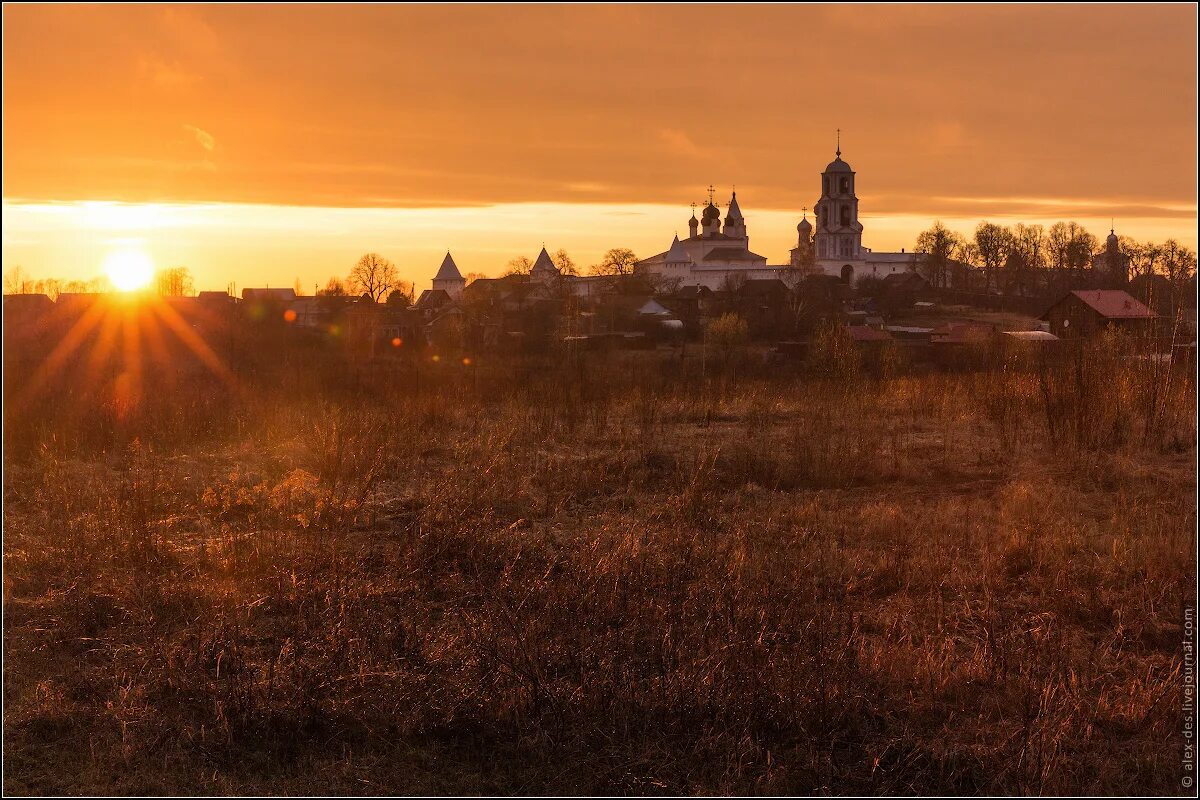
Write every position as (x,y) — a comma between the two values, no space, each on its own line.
(543,267)
(838,232)
(677,263)
(449,279)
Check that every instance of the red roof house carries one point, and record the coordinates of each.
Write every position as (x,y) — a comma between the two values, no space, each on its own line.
(1085,312)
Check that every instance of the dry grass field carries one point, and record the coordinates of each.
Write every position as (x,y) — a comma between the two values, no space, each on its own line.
(608,577)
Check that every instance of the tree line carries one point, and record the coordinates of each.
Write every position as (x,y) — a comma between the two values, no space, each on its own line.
(167,282)
(1019,258)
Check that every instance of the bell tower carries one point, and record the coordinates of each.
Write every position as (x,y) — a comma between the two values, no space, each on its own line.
(838,231)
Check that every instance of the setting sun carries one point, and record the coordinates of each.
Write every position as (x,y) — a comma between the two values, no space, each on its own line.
(129,270)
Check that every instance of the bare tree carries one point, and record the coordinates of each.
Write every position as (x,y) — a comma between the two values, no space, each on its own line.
(618,261)
(16,281)
(1144,257)
(174,282)
(333,288)
(1179,262)
(519,266)
(1031,241)
(50,287)
(993,243)
(806,262)
(937,248)
(564,262)
(373,275)
(1070,247)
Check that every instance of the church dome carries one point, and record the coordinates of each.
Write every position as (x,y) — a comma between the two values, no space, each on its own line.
(837,165)
(804,225)
(1112,239)
(711,212)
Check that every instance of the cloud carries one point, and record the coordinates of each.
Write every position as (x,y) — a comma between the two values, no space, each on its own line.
(680,143)
(203,137)
(164,75)
(586,186)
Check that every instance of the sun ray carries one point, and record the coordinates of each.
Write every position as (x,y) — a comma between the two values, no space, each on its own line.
(156,344)
(194,343)
(128,386)
(104,346)
(61,352)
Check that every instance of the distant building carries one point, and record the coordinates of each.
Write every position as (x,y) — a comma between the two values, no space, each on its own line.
(713,256)
(718,256)
(26,306)
(281,296)
(448,279)
(1110,265)
(1085,313)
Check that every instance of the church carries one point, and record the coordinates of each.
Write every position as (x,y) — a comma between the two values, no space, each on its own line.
(716,255)
(712,254)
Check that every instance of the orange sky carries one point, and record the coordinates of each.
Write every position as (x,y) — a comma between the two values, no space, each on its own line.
(586,127)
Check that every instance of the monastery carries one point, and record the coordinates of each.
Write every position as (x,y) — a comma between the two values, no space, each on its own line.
(717,255)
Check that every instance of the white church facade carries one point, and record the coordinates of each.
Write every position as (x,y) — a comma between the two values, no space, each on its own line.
(716,255)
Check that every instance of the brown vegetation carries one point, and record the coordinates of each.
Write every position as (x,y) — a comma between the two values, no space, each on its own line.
(607,576)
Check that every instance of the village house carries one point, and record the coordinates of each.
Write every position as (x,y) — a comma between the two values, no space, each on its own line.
(1084,313)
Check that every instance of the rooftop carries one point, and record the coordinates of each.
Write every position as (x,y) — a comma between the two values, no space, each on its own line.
(862,333)
(732,254)
(1114,304)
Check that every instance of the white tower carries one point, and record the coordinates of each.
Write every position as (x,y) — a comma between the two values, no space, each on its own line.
(677,263)
(839,233)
